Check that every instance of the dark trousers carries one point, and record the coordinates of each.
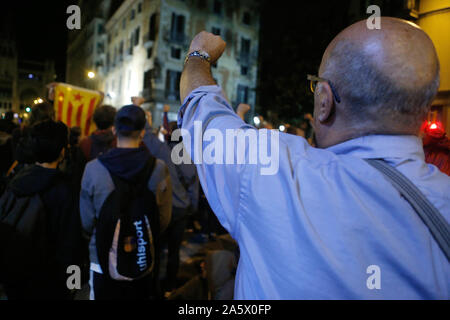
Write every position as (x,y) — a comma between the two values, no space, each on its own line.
(44,288)
(106,288)
(174,237)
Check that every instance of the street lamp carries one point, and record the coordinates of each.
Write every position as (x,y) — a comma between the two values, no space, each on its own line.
(91,75)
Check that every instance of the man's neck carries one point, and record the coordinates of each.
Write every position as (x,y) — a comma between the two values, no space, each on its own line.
(128,144)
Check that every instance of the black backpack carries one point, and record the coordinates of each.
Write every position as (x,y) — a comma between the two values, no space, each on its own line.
(127,231)
(24,250)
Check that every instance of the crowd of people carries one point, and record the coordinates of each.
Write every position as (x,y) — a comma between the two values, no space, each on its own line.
(73,179)
(309,231)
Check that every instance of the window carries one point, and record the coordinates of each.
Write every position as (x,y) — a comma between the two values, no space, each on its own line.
(247,18)
(215,31)
(132,14)
(100,47)
(130,48)
(153,30)
(245,50)
(175,53)
(148,79)
(100,29)
(121,51)
(136,35)
(217,7)
(244,70)
(173,84)
(242,94)
(149,52)
(140,7)
(177,30)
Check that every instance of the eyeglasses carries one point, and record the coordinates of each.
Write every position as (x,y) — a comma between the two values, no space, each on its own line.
(313,83)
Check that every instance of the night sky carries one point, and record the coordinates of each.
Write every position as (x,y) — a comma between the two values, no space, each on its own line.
(293,36)
(39,28)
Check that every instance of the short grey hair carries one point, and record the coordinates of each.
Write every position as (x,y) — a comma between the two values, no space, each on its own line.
(370,95)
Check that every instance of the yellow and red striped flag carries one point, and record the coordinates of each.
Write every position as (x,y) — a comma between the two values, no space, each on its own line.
(75,106)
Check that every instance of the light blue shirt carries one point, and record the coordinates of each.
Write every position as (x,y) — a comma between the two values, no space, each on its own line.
(312,230)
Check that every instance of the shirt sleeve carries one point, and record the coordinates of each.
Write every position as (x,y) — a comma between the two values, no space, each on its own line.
(206,112)
(87,208)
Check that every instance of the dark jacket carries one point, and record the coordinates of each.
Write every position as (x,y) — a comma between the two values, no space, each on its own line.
(185,182)
(63,230)
(97,143)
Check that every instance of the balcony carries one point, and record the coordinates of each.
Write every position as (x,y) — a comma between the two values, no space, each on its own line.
(155,95)
(129,54)
(176,38)
(172,95)
(147,42)
(147,94)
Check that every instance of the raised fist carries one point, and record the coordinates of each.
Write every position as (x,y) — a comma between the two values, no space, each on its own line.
(210,43)
(242,109)
(149,118)
(138,101)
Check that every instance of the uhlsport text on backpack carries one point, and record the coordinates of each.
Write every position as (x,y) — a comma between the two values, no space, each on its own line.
(128,229)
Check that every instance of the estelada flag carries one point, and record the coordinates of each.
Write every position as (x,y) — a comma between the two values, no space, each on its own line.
(75,106)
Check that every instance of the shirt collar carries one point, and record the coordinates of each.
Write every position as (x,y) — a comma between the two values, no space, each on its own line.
(406,147)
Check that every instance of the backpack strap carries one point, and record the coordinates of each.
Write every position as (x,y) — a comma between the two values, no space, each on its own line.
(432,218)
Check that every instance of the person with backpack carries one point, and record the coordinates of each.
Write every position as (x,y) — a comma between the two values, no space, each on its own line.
(103,139)
(125,204)
(39,214)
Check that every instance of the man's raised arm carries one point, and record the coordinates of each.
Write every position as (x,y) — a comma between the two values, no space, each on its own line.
(197,70)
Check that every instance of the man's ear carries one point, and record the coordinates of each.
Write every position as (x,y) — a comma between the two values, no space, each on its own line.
(326,102)
(61,155)
(114,130)
(142,134)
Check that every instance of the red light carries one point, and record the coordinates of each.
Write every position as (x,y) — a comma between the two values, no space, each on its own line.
(433,126)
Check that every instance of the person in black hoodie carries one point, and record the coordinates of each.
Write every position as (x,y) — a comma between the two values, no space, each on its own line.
(48,140)
(128,161)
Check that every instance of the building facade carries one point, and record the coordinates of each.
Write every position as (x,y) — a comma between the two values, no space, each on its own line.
(145,43)
(22,82)
(8,76)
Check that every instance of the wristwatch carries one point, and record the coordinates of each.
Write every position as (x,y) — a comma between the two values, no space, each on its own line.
(201,54)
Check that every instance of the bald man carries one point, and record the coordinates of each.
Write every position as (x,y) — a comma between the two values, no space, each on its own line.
(327,225)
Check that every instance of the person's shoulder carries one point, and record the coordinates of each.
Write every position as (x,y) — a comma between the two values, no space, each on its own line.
(160,173)
(299,149)
(160,170)
(93,172)
(94,165)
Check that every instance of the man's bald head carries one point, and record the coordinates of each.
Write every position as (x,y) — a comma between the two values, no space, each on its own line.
(386,78)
